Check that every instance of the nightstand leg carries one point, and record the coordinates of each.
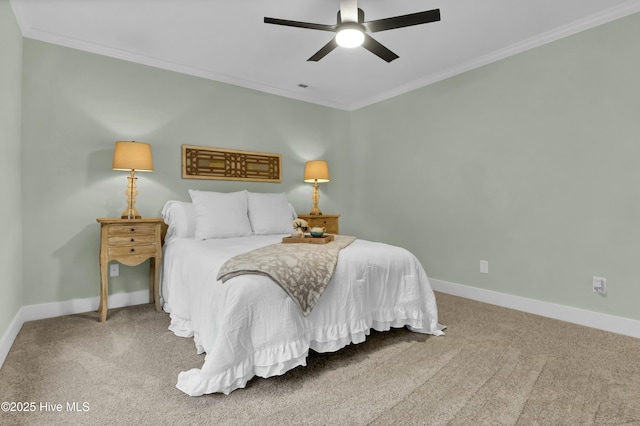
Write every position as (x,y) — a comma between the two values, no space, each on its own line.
(152,277)
(154,283)
(104,289)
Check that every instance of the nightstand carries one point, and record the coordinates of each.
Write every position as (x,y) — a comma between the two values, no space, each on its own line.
(329,221)
(130,242)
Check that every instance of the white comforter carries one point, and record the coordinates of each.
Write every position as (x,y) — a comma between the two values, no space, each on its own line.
(249,327)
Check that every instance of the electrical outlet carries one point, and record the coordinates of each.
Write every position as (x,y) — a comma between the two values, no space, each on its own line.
(600,285)
(114,270)
(484,266)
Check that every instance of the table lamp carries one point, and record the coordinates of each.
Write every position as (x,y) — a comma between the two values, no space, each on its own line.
(316,171)
(132,156)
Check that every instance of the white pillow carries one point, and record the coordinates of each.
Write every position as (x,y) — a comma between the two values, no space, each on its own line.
(292,212)
(220,215)
(270,213)
(181,218)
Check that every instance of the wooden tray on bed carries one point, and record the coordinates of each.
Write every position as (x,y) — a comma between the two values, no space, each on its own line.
(308,239)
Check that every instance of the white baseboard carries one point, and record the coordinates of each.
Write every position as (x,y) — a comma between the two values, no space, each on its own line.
(68,307)
(9,336)
(606,322)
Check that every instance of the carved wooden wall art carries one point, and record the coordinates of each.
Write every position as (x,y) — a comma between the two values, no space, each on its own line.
(201,162)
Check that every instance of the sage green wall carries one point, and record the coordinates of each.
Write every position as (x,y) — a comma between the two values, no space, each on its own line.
(78,104)
(10,190)
(531,163)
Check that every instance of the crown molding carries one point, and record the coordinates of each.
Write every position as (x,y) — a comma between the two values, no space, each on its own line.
(590,22)
(609,15)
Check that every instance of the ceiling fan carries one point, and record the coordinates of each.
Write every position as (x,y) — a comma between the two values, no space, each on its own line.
(352,31)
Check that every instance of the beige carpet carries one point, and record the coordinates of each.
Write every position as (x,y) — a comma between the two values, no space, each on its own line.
(494,366)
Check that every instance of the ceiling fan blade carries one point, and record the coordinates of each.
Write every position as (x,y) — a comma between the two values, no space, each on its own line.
(298,24)
(377,49)
(403,21)
(348,11)
(324,51)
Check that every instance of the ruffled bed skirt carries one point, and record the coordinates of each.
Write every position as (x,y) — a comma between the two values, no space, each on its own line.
(280,358)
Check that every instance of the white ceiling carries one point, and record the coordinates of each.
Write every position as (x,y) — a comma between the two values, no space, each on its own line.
(228,41)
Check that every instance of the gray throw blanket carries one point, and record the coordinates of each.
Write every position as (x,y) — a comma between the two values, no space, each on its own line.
(302,270)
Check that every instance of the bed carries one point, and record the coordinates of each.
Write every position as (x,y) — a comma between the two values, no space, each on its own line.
(248,326)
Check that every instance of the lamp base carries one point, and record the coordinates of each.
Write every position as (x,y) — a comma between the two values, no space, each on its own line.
(131,212)
(124,216)
(315,211)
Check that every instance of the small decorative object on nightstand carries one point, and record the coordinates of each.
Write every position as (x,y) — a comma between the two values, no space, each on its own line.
(130,242)
(327,221)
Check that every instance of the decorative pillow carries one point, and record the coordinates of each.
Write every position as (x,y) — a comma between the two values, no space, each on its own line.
(270,213)
(220,215)
(292,212)
(180,216)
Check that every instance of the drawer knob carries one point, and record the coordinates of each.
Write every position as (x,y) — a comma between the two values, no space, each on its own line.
(133,229)
(132,240)
(132,250)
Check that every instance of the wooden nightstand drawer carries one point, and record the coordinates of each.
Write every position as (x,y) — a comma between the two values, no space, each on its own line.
(328,221)
(132,239)
(136,229)
(132,250)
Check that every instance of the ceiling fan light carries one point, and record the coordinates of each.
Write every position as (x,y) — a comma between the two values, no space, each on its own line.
(350,37)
